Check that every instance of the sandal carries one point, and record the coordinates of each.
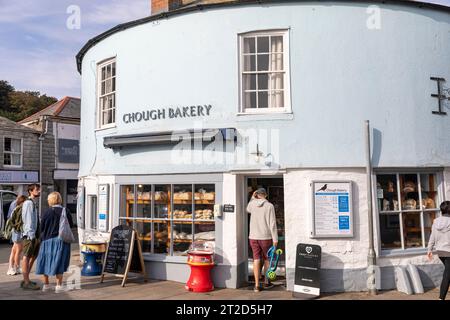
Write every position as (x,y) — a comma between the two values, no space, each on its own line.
(256,289)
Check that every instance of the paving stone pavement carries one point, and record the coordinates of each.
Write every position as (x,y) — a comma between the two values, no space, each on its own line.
(91,289)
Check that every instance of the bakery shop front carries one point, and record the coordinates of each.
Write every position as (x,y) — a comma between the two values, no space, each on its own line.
(175,140)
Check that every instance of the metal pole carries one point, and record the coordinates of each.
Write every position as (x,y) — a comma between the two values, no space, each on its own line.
(371,256)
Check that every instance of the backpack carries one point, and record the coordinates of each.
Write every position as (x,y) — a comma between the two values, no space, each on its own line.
(14,223)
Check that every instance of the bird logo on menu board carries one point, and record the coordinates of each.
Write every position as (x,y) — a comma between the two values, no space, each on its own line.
(324,188)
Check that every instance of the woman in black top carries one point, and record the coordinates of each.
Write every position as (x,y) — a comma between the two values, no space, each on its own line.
(54,255)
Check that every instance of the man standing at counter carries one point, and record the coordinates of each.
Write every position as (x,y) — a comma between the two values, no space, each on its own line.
(263,233)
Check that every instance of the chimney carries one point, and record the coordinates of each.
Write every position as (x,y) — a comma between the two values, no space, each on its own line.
(159,6)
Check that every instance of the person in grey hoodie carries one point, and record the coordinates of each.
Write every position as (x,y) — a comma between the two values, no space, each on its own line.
(440,241)
(263,233)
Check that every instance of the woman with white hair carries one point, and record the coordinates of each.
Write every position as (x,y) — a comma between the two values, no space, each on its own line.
(54,255)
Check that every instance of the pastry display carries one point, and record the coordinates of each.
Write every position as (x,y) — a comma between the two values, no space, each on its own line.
(409,187)
(409,204)
(428,203)
(202,194)
(209,235)
(206,214)
(182,214)
(181,235)
(387,207)
(161,196)
(182,195)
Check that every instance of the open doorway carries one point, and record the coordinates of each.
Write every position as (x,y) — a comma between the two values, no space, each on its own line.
(275,195)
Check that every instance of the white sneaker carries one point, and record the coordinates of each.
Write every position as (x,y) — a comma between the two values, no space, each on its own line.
(18,270)
(46,287)
(11,271)
(59,289)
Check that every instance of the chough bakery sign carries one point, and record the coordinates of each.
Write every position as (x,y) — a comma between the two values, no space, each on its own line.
(168,113)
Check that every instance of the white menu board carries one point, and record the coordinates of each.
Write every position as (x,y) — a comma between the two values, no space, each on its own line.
(332,212)
(103,207)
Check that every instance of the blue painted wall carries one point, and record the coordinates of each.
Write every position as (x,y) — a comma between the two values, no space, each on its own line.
(341,74)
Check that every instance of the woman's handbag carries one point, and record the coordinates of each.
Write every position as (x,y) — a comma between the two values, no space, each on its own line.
(65,232)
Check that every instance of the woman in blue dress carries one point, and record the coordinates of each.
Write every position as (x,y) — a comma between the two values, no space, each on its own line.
(54,254)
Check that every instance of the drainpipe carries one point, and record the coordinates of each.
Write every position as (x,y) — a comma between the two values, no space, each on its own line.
(371,256)
(41,140)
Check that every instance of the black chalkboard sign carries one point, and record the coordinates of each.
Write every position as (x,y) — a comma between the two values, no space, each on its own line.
(123,254)
(307,270)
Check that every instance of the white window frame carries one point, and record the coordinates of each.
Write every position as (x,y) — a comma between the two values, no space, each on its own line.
(400,211)
(10,152)
(99,95)
(286,69)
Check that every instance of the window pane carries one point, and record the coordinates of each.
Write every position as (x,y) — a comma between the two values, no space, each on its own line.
(144,199)
(387,192)
(7,145)
(144,232)
(249,100)
(103,88)
(108,86)
(108,71)
(276,62)
(250,63)
(113,69)
(15,160)
(429,191)
(277,44)
(277,81)
(113,84)
(428,219)
(16,145)
(249,45)
(390,231)
(204,201)
(7,159)
(412,230)
(204,231)
(161,241)
(263,62)
(126,201)
(182,201)
(263,81)
(110,116)
(408,192)
(277,99)
(92,203)
(182,238)
(263,45)
(103,73)
(162,201)
(249,82)
(263,99)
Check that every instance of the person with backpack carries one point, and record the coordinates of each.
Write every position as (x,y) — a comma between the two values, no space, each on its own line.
(13,231)
(30,236)
(54,256)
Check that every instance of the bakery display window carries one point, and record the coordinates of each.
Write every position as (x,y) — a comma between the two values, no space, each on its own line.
(407,205)
(169,217)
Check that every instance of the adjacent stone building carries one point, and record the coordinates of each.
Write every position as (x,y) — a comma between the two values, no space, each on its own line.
(19,157)
(60,125)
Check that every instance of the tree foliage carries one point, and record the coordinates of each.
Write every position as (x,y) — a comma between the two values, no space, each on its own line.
(17,105)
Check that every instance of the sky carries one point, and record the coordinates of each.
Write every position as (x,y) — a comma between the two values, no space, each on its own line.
(40,38)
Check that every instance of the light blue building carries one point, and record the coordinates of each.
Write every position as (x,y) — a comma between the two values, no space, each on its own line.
(273,94)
